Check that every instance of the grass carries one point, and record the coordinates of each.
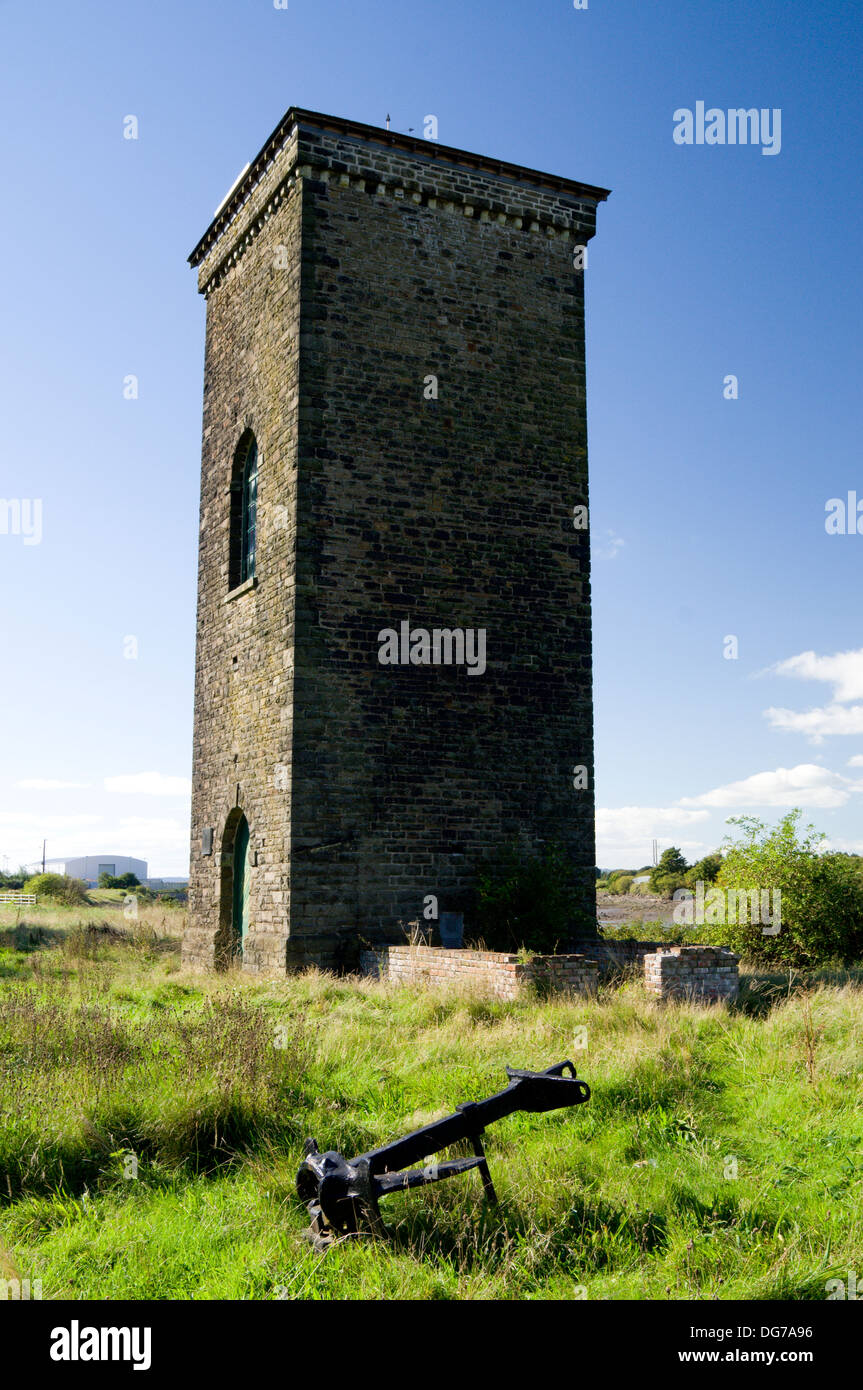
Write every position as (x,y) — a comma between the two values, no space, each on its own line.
(152,1122)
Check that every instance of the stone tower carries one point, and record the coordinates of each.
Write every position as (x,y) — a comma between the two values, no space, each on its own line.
(393,640)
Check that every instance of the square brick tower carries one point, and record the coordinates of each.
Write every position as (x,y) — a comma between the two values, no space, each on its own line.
(393,642)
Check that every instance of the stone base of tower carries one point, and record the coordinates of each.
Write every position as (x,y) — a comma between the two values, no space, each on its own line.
(275,952)
(264,952)
(199,949)
(339,950)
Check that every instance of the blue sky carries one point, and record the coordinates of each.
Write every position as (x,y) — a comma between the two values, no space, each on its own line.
(708,515)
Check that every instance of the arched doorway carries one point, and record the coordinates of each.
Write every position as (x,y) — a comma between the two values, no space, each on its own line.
(235,886)
(242,877)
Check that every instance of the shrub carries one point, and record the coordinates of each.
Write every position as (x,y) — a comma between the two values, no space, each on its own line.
(614,878)
(119,881)
(58,887)
(822,894)
(621,884)
(527,901)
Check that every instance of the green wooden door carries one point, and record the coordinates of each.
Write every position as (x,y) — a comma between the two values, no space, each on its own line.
(241,886)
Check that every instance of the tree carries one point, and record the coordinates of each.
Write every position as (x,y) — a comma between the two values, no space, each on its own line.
(15,881)
(817,897)
(669,873)
(705,871)
(119,881)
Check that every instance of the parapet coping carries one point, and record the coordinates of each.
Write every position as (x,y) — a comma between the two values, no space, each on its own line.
(492,957)
(678,950)
(429,152)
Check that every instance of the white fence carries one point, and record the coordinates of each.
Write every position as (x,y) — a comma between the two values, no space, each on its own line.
(19,899)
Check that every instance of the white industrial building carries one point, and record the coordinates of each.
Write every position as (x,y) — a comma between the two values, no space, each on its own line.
(91,866)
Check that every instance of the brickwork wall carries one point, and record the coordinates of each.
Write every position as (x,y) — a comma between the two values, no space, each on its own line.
(702,972)
(616,955)
(347,274)
(495,972)
(672,972)
(244,668)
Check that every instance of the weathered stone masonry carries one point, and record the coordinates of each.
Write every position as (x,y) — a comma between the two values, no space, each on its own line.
(348,266)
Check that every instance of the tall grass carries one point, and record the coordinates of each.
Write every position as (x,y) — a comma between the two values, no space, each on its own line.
(151,1125)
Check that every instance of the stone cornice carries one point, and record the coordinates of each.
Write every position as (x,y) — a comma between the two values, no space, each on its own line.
(387,164)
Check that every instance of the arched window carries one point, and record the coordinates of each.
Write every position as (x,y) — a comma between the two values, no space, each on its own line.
(244,512)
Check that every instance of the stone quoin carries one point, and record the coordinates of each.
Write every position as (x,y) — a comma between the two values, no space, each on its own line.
(348,267)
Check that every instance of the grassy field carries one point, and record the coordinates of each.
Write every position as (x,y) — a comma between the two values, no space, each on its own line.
(152,1121)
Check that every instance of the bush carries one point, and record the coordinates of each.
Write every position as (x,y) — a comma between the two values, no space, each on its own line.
(821,908)
(621,884)
(612,883)
(528,901)
(57,887)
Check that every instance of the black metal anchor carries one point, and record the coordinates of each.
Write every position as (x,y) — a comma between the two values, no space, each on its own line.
(343,1195)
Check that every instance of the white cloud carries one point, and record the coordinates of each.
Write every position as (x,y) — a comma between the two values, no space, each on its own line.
(149,784)
(806,783)
(626,833)
(27,819)
(162,840)
(844,672)
(24,831)
(844,846)
(153,825)
(609,550)
(818,724)
(856,761)
(49,784)
(642,820)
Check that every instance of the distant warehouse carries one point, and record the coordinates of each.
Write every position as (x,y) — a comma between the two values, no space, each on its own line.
(92,866)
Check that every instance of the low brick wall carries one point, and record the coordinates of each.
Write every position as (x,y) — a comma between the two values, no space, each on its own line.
(496,972)
(616,955)
(699,972)
(671,972)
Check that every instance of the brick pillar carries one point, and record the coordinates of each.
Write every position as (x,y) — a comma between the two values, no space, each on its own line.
(699,972)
